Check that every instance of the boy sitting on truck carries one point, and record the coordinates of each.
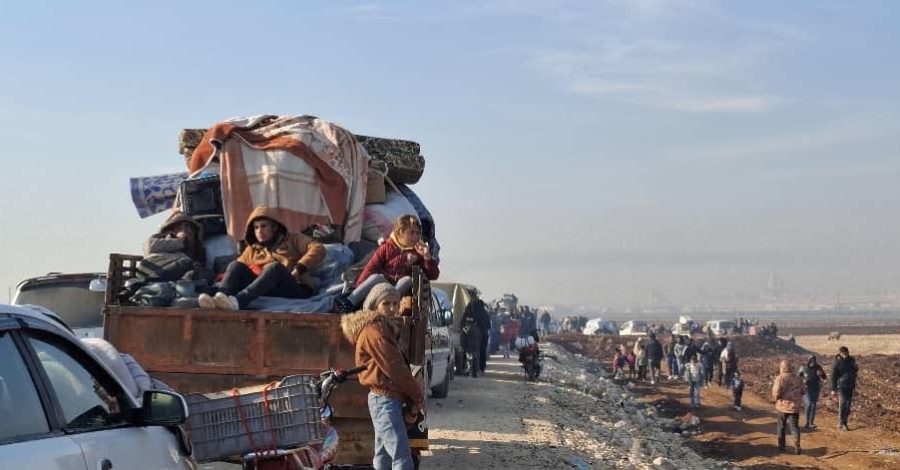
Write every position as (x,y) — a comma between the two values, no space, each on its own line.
(274,263)
(387,375)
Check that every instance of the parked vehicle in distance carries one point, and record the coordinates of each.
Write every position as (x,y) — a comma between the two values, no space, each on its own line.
(439,352)
(61,408)
(633,327)
(599,326)
(720,327)
(70,296)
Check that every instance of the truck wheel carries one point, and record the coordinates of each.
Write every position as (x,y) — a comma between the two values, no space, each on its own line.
(443,389)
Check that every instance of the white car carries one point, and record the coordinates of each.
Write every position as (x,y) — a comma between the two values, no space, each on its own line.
(61,408)
(633,327)
(720,327)
(598,326)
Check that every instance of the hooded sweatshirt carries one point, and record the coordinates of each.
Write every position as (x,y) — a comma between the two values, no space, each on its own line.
(787,391)
(391,261)
(387,372)
(289,249)
(165,240)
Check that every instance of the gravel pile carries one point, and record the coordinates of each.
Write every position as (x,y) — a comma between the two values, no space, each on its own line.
(638,437)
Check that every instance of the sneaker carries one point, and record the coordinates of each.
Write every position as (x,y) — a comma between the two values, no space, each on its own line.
(226,302)
(844,428)
(797,449)
(206,301)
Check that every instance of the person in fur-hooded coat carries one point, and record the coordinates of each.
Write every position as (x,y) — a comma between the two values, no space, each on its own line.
(387,375)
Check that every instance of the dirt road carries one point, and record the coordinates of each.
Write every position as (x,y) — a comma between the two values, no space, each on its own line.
(500,421)
(747,437)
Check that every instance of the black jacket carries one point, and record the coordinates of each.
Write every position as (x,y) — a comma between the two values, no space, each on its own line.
(654,351)
(477,311)
(843,373)
(470,338)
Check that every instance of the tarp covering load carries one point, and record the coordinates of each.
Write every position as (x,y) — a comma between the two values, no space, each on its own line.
(310,170)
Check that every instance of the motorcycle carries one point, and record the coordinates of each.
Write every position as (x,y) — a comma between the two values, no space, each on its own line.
(532,362)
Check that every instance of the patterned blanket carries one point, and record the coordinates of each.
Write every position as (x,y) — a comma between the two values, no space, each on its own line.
(154,194)
(310,170)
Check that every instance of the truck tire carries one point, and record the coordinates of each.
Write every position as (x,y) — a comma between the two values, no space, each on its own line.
(443,389)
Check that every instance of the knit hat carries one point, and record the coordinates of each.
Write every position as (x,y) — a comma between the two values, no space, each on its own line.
(378,293)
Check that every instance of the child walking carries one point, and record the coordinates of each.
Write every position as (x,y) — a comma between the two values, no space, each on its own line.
(694,376)
(737,390)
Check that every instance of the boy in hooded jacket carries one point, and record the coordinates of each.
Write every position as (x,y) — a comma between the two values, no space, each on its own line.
(813,374)
(787,391)
(274,262)
(387,375)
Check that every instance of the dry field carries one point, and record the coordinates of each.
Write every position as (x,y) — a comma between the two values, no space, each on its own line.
(859,345)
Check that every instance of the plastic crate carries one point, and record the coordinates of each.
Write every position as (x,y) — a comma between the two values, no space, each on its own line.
(285,416)
(202,196)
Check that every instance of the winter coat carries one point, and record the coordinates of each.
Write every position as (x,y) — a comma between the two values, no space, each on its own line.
(787,391)
(529,324)
(470,338)
(812,376)
(165,240)
(678,349)
(729,356)
(392,261)
(654,351)
(377,347)
(843,373)
(692,372)
(292,250)
(477,311)
(737,385)
(707,357)
(689,351)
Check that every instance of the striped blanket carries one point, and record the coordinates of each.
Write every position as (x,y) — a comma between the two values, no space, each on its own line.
(310,170)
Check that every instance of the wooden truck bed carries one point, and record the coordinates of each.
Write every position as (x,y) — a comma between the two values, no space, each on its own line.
(202,350)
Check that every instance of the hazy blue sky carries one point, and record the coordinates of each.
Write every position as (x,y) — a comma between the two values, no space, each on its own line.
(578,152)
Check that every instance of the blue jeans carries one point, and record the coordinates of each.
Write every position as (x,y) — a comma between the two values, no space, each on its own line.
(673,365)
(812,397)
(391,442)
(695,392)
(404,286)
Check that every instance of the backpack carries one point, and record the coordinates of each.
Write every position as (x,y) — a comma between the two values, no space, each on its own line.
(164,267)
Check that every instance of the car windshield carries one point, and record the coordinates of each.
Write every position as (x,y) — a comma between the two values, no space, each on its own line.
(78,306)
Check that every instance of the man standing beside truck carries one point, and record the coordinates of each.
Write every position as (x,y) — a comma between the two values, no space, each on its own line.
(387,376)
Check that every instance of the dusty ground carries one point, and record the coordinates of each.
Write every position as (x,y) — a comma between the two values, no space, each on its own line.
(859,345)
(747,437)
(500,421)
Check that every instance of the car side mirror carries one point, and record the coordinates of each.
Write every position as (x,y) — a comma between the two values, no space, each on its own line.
(448,317)
(163,408)
(97,285)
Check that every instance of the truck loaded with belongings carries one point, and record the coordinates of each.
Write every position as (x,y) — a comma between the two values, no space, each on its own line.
(338,188)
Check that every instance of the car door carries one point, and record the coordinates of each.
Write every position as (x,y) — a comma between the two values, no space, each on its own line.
(29,439)
(93,408)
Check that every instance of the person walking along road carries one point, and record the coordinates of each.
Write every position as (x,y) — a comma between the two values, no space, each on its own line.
(788,394)
(813,375)
(843,382)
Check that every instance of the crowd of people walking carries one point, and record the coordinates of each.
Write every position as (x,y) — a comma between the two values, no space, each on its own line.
(795,390)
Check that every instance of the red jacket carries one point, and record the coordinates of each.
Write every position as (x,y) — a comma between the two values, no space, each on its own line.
(390,261)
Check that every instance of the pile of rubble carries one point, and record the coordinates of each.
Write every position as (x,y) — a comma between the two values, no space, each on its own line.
(635,432)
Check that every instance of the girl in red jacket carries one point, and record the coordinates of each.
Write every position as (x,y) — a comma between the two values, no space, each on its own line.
(393,262)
